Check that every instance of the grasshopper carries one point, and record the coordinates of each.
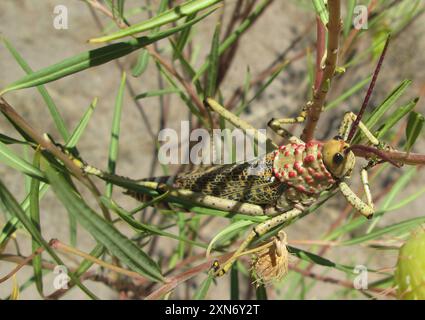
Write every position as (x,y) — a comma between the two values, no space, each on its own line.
(291,178)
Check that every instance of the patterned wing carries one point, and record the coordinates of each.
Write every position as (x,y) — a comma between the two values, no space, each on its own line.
(251,182)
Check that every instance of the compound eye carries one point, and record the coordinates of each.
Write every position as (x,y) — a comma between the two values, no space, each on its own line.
(338,138)
(338,158)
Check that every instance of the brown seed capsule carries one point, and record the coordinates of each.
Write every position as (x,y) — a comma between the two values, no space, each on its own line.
(271,263)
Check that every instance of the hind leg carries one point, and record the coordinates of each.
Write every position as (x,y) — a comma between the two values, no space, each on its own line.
(258,231)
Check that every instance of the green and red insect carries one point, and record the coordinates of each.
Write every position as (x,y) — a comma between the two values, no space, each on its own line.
(284,182)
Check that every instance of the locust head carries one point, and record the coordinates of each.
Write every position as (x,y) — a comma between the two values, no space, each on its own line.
(338,158)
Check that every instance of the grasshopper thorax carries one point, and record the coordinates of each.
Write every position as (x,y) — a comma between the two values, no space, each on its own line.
(337,157)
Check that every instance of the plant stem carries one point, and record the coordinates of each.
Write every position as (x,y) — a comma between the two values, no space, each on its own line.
(319,94)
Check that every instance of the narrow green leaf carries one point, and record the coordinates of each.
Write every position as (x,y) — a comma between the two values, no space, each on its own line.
(234,282)
(379,111)
(35,220)
(396,117)
(141,64)
(314,258)
(246,87)
(392,229)
(181,224)
(115,133)
(15,209)
(13,222)
(143,58)
(414,127)
(85,265)
(79,129)
(120,8)
(349,18)
(54,112)
(230,230)
(183,38)
(392,194)
(92,58)
(112,25)
(260,292)
(157,93)
(171,15)
(11,159)
(348,93)
(321,11)
(202,291)
(117,244)
(9,140)
(214,64)
(187,68)
(142,227)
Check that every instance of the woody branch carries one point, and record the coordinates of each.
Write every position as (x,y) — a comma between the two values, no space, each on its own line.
(319,94)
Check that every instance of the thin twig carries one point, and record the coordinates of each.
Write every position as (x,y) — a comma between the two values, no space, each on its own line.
(397,156)
(56,244)
(184,276)
(22,263)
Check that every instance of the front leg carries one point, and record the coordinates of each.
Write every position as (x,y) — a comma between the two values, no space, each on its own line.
(258,231)
(365,182)
(365,209)
(348,120)
(277,125)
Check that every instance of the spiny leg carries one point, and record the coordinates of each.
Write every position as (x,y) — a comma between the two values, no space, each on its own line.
(258,231)
(365,182)
(239,123)
(365,209)
(277,125)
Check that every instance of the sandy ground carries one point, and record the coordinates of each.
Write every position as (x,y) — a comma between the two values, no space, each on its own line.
(28,25)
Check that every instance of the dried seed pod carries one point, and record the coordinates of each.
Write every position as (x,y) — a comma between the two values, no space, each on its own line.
(271,263)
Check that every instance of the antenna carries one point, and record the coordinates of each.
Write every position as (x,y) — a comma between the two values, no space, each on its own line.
(369,91)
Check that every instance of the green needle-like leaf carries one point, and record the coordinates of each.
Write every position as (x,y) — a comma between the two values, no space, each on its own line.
(16,210)
(174,14)
(115,133)
(35,219)
(92,58)
(414,127)
(118,245)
